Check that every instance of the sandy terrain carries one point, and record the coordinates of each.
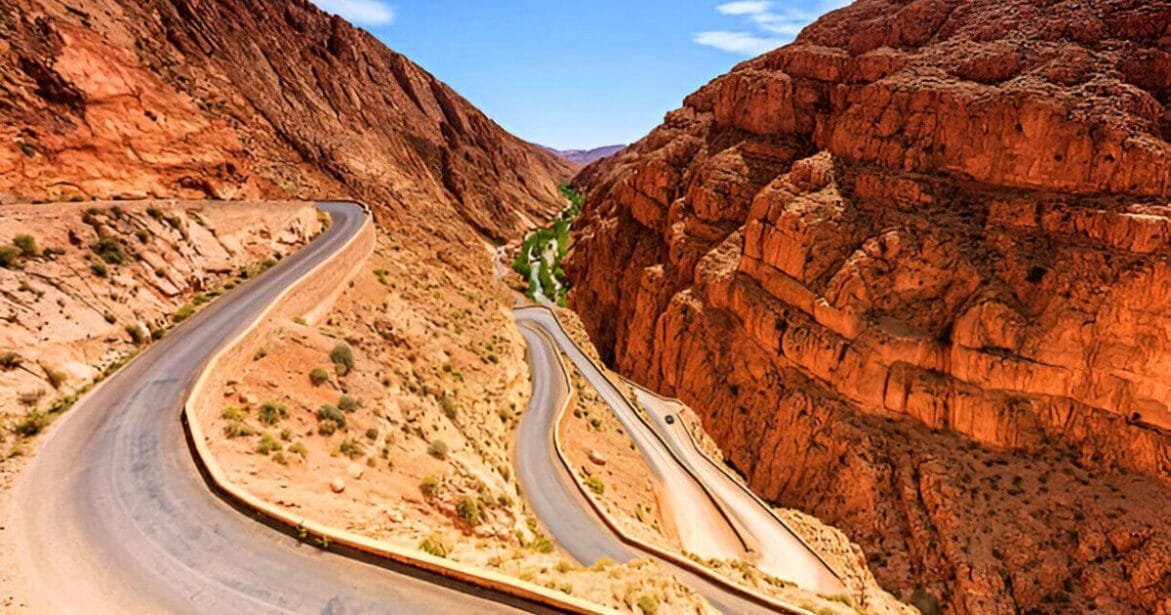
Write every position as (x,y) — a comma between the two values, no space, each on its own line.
(412,444)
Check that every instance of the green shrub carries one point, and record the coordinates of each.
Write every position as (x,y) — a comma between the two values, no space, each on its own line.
(429,485)
(184,313)
(648,604)
(435,545)
(272,413)
(157,333)
(233,413)
(351,448)
(327,427)
(381,275)
(26,243)
(595,485)
(238,429)
(99,269)
(9,257)
(298,448)
(542,544)
(154,212)
(331,413)
(438,449)
(110,250)
(318,376)
(371,434)
(345,403)
(33,423)
(469,509)
(268,444)
(142,235)
(343,358)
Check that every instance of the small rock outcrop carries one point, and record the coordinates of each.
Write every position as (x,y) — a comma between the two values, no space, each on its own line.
(920,251)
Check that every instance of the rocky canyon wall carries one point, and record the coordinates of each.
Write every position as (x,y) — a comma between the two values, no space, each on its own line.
(243,99)
(921,250)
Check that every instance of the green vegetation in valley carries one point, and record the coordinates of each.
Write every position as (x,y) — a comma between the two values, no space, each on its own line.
(539,258)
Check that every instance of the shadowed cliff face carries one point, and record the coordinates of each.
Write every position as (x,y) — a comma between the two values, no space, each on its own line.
(231,98)
(912,269)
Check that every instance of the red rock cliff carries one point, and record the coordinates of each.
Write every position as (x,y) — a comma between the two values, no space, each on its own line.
(231,98)
(923,249)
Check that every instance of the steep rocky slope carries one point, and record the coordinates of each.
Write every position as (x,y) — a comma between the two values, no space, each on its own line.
(913,271)
(231,98)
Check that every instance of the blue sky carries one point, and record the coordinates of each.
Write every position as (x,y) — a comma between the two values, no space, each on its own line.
(574,73)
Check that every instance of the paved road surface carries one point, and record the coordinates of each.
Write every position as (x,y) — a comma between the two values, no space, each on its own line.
(112,515)
(546,483)
(782,554)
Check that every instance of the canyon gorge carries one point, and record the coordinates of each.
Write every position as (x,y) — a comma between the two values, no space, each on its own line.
(912,271)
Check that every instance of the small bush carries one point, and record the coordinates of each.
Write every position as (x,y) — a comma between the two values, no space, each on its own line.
(449,409)
(142,235)
(438,449)
(327,427)
(469,509)
(110,250)
(595,485)
(268,444)
(347,404)
(99,269)
(351,448)
(542,544)
(27,244)
(238,429)
(318,376)
(137,337)
(435,545)
(429,485)
(272,413)
(185,312)
(33,423)
(371,434)
(157,333)
(331,413)
(648,604)
(343,358)
(154,212)
(9,257)
(298,448)
(233,413)
(9,361)
(381,275)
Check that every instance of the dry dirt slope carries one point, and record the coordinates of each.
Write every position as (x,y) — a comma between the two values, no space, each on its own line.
(912,271)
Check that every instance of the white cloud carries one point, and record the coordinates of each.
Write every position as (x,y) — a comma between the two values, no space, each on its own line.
(744,7)
(773,27)
(738,42)
(360,12)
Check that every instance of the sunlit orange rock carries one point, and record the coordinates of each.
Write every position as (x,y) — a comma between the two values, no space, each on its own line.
(899,261)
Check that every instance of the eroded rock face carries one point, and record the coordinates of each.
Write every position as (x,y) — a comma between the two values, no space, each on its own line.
(923,224)
(244,99)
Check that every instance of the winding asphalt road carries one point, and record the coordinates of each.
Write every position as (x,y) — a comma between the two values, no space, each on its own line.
(113,516)
(547,485)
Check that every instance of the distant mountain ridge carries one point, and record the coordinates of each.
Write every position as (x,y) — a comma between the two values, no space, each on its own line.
(586,156)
